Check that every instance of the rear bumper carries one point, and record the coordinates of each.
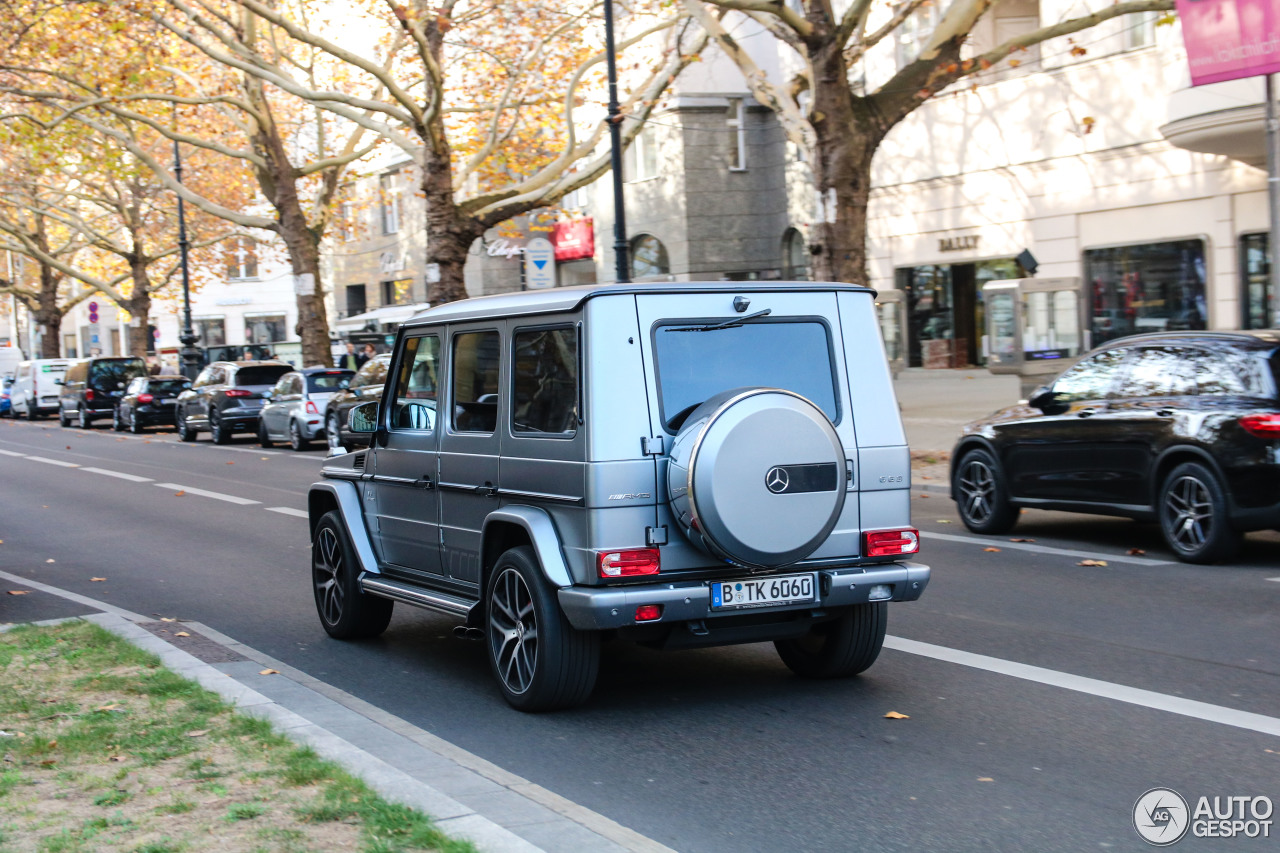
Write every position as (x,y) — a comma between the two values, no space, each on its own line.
(603,608)
(239,421)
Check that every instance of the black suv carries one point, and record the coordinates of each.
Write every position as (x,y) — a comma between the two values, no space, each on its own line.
(149,401)
(1177,427)
(91,388)
(226,397)
(365,386)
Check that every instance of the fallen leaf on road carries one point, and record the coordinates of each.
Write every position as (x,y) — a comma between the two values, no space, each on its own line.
(985,779)
(197,733)
(269,672)
(44,506)
(97,580)
(993,550)
(1092,563)
(179,493)
(1022,540)
(167,619)
(231,463)
(19,591)
(68,447)
(146,441)
(894,715)
(944,521)
(924,496)
(51,561)
(925,477)
(263,458)
(182,634)
(1135,552)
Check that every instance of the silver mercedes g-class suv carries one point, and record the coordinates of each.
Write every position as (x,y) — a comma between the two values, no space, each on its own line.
(679,465)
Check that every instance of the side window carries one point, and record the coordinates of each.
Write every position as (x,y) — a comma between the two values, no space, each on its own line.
(1160,372)
(1231,373)
(1091,379)
(203,379)
(475,381)
(544,386)
(282,387)
(415,400)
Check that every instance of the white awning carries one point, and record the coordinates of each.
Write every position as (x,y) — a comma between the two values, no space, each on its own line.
(392,315)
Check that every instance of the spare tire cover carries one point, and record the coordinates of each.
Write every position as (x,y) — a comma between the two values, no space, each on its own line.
(756,477)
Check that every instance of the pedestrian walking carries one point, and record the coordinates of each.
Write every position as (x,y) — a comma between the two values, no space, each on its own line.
(369,352)
(350,359)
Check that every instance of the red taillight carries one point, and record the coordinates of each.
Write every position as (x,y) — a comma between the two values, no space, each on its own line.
(1266,425)
(145,398)
(890,543)
(624,564)
(237,392)
(311,408)
(648,612)
(88,394)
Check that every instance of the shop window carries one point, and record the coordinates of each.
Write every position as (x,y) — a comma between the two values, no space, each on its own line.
(640,160)
(356,300)
(737,123)
(242,259)
(1258,302)
(795,256)
(929,314)
(264,329)
(1149,288)
(648,257)
(210,332)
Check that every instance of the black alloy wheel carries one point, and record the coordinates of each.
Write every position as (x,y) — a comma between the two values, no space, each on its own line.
(83,418)
(981,495)
(264,438)
(1193,516)
(542,663)
(185,432)
(296,439)
(345,612)
(839,648)
(217,430)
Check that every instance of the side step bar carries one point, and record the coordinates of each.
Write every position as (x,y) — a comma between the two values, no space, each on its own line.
(416,595)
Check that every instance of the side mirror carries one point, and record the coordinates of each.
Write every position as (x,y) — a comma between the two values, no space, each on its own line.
(363,418)
(344,383)
(1043,399)
(59,382)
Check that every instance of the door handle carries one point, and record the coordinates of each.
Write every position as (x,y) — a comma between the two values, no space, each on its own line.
(424,482)
(488,490)
(1086,413)
(1164,413)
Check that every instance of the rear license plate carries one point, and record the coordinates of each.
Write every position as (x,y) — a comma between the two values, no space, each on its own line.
(168,401)
(764,592)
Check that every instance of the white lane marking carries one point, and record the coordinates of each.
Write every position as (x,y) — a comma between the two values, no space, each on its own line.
(132,478)
(1274,580)
(259,451)
(11,453)
(288,510)
(1043,549)
(218,496)
(1092,686)
(57,462)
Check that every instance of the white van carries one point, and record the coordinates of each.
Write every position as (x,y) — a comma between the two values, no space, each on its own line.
(35,391)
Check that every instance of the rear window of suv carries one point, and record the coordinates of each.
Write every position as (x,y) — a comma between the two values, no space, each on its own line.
(262,375)
(695,362)
(107,372)
(166,387)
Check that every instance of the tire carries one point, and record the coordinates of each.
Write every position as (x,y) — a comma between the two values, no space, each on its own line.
(1193,516)
(116,423)
(982,498)
(263,438)
(345,612)
(185,432)
(32,414)
(840,648)
(333,434)
(82,419)
(219,433)
(541,662)
(296,441)
(135,426)
(63,420)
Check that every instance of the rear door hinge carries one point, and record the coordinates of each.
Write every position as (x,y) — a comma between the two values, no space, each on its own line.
(651,446)
(655,536)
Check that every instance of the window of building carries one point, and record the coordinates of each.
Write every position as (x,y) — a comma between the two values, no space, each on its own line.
(737,122)
(576,200)
(357,303)
(242,259)
(648,257)
(347,221)
(264,329)
(1257,300)
(415,400)
(1139,30)
(399,292)
(392,189)
(544,398)
(475,381)
(210,332)
(1150,288)
(795,256)
(641,158)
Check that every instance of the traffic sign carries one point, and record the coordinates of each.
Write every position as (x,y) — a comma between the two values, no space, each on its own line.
(539,263)
(93,312)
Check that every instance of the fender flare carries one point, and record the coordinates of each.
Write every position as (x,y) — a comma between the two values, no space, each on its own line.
(346,495)
(537,523)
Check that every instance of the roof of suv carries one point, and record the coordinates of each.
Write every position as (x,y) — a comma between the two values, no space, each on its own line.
(1262,339)
(557,299)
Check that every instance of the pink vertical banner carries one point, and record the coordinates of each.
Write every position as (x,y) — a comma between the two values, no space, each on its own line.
(1230,39)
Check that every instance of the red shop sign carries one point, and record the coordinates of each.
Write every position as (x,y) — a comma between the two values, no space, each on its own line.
(574,239)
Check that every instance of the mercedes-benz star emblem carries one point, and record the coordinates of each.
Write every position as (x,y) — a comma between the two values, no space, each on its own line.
(777,480)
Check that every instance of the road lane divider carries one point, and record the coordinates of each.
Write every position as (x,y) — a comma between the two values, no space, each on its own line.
(217,496)
(57,462)
(1043,549)
(12,453)
(288,510)
(120,475)
(1092,686)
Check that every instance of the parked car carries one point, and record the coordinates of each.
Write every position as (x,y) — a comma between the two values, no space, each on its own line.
(6,407)
(149,401)
(296,405)
(34,392)
(226,398)
(651,463)
(1182,428)
(366,385)
(91,388)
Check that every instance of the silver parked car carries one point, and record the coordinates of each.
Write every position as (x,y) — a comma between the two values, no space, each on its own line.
(677,465)
(295,406)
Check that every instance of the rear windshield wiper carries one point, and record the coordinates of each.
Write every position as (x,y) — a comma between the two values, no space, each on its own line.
(731,323)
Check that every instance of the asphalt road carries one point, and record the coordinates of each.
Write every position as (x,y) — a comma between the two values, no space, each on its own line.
(723,749)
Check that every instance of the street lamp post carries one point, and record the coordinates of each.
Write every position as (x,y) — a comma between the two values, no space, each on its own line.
(189,354)
(615,139)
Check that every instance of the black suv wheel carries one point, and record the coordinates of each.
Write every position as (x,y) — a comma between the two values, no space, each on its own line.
(844,646)
(1193,516)
(82,417)
(185,432)
(981,494)
(217,430)
(542,663)
(345,612)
